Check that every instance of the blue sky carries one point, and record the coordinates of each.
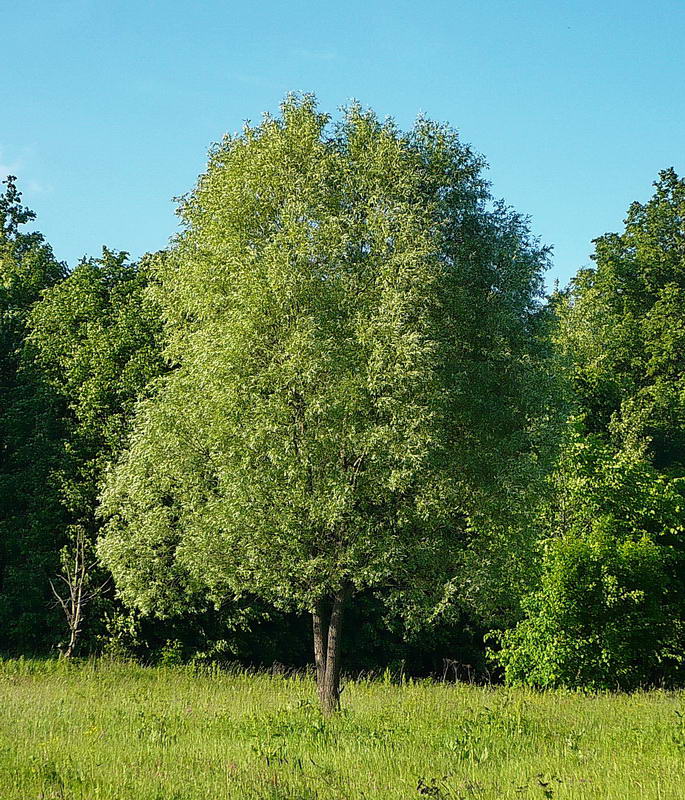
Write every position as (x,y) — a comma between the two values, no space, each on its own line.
(108,107)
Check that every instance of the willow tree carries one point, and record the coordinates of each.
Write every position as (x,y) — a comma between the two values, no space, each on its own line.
(352,329)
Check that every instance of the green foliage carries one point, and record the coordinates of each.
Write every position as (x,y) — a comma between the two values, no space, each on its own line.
(624,330)
(96,338)
(356,370)
(29,435)
(76,350)
(609,609)
(341,376)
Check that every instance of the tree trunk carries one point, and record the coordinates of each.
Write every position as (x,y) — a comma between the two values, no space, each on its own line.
(320,626)
(327,636)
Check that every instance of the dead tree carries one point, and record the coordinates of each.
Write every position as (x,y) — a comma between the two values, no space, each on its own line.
(77,591)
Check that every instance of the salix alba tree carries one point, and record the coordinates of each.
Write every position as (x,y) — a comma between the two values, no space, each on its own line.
(352,325)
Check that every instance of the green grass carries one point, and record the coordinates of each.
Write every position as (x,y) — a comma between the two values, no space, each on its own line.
(101,730)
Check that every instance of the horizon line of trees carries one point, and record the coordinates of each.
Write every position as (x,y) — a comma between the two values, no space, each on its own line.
(339,410)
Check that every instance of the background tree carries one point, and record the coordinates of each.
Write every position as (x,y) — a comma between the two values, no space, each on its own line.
(624,330)
(355,372)
(96,337)
(30,512)
(75,588)
(609,609)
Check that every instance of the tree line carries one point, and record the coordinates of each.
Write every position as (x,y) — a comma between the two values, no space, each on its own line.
(339,410)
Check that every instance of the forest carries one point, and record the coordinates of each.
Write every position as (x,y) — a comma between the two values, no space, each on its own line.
(340,421)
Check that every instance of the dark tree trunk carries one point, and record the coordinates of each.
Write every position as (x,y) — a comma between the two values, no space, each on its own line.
(327,630)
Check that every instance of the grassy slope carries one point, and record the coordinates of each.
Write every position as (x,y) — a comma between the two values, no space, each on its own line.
(101,731)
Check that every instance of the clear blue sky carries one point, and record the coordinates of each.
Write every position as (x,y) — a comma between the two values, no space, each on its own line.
(107,107)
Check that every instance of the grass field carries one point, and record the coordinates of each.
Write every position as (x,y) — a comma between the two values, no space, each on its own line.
(102,730)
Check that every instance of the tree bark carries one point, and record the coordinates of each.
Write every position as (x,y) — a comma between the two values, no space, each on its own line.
(327,637)
(320,628)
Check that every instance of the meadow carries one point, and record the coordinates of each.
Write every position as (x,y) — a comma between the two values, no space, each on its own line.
(102,730)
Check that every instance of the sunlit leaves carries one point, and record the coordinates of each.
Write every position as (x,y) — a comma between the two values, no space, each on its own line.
(352,331)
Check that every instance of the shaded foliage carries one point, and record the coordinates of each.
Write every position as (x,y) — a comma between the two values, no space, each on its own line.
(30,435)
(609,610)
(609,607)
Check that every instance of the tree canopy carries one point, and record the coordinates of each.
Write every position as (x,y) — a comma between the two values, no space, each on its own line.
(624,329)
(352,331)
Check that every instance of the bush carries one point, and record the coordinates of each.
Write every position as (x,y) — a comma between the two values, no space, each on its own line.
(608,610)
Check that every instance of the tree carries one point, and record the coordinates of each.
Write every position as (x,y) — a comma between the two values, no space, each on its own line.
(29,435)
(623,330)
(76,590)
(96,338)
(355,368)
(608,608)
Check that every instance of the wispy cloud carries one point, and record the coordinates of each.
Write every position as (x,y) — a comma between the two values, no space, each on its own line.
(9,166)
(20,166)
(37,187)
(314,54)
